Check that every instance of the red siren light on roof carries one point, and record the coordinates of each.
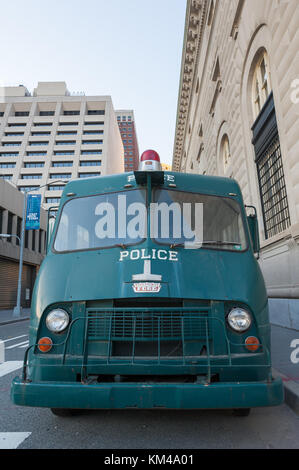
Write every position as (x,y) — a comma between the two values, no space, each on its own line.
(150,161)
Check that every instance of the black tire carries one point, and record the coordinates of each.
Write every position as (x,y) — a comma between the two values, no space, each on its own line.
(243,412)
(65,412)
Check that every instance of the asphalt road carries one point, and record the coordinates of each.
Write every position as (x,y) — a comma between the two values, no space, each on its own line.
(38,428)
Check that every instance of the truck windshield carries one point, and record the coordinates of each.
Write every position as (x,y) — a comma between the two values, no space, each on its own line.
(197,220)
(102,221)
(176,218)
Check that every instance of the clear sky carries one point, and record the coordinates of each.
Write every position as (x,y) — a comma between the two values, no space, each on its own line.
(128,49)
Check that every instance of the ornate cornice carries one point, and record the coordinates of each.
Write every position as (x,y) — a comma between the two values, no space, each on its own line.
(194,24)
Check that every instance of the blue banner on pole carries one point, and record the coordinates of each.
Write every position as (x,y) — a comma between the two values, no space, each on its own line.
(33,212)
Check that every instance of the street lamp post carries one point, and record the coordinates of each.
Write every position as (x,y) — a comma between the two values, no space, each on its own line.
(18,309)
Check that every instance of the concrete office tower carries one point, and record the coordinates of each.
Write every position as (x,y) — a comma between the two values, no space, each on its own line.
(238,116)
(126,123)
(56,135)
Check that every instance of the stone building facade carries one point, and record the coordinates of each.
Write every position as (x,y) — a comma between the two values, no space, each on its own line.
(238,116)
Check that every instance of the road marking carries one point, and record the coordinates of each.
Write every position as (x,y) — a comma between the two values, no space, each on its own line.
(8,367)
(25,345)
(2,352)
(16,337)
(12,440)
(16,345)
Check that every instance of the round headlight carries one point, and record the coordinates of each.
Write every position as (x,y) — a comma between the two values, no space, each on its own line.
(57,320)
(239,319)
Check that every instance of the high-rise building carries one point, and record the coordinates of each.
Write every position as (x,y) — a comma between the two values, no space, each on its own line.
(126,123)
(53,134)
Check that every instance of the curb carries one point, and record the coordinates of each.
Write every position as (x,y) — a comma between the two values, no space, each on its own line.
(16,320)
(291,391)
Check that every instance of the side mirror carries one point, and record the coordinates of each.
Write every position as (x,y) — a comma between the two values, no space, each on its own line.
(51,222)
(254,230)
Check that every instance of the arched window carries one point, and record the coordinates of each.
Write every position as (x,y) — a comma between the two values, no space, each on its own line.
(261,85)
(225,150)
(268,158)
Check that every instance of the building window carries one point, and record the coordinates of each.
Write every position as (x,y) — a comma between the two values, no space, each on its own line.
(71,113)
(19,227)
(268,158)
(64,152)
(33,240)
(92,142)
(34,165)
(40,233)
(60,164)
(96,111)
(22,113)
(31,177)
(11,144)
(92,132)
(56,188)
(65,142)
(38,143)
(96,123)
(91,152)
(41,124)
(52,200)
(88,175)
(6,177)
(13,134)
(17,124)
(91,163)
(261,84)
(36,154)
(226,156)
(46,113)
(68,124)
(9,154)
(60,176)
(67,133)
(40,133)
(9,225)
(26,238)
(28,188)
(7,165)
(273,190)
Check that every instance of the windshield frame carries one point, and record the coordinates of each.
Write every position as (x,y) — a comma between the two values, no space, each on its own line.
(126,190)
(204,247)
(160,188)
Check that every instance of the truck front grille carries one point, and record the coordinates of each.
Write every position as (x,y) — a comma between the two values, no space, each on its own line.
(147,326)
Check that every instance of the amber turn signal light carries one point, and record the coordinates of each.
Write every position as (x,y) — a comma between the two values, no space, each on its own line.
(252,343)
(45,344)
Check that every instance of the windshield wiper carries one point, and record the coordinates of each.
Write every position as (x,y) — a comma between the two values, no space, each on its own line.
(213,242)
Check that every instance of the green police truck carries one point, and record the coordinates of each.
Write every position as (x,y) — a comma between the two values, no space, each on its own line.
(150,296)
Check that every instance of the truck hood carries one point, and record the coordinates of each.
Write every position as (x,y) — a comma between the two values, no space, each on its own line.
(182,274)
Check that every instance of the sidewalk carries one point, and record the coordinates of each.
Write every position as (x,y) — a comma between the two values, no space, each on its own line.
(6,316)
(281,339)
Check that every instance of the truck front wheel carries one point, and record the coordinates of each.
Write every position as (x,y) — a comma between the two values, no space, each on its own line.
(241,412)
